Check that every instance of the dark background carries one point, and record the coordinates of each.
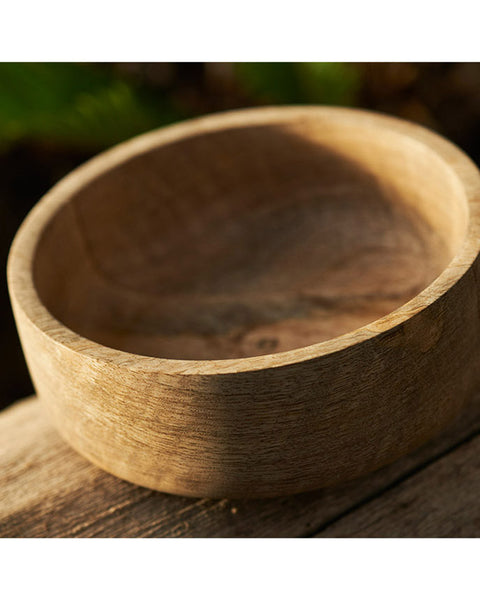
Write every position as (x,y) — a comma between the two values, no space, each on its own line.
(54,116)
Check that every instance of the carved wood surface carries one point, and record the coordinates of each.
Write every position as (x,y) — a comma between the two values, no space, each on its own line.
(48,490)
(255,303)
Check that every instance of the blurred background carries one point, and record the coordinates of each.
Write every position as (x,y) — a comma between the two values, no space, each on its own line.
(54,116)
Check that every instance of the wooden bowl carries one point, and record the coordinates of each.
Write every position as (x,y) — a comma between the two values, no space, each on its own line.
(255,303)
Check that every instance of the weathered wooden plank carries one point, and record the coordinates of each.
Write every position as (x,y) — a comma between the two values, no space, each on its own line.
(46,489)
(441,500)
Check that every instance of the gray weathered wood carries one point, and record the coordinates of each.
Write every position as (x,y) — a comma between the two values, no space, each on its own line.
(441,500)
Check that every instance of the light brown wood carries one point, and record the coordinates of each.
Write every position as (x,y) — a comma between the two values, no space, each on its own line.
(256,303)
(48,490)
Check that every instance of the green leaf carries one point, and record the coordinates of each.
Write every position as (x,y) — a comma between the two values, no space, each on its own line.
(74,104)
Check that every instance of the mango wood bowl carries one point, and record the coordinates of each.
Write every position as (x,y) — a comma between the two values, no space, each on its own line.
(256,303)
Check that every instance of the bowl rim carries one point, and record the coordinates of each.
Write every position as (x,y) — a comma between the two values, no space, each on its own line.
(22,253)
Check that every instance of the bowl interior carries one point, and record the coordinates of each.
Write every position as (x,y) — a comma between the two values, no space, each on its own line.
(250,240)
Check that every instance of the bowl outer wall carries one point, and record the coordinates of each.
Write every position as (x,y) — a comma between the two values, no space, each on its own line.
(268,425)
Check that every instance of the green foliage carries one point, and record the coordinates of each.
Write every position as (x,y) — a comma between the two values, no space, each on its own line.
(94,105)
(73,104)
(300,83)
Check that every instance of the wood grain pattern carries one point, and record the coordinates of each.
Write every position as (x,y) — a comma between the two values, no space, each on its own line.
(255,303)
(440,501)
(48,490)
